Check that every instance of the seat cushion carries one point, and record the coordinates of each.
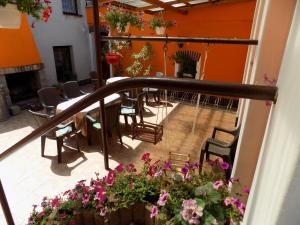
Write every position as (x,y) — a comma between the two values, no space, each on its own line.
(214,149)
(63,131)
(97,125)
(127,111)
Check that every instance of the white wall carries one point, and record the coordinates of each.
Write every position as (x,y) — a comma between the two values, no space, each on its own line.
(275,196)
(63,30)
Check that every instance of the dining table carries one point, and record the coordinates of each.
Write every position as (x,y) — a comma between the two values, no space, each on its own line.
(79,118)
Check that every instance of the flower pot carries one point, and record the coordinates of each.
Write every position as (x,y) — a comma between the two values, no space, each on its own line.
(126,29)
(160,30)
(10,17)
(112,58)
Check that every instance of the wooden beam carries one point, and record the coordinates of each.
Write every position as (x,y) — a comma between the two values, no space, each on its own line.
(166,6)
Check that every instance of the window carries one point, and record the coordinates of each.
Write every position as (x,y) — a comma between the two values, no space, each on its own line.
(70,7)
(63,63)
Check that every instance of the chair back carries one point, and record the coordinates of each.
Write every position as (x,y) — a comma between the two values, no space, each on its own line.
(42,118)
(233,144)
(71,89)
(49,96)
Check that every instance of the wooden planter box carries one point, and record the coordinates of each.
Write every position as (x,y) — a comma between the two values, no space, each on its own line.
(139,214)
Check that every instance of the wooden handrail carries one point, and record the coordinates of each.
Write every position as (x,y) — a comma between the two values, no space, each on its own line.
(5,206)
(257,92)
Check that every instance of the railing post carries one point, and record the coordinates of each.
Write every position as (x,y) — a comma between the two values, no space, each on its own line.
(5,207)
(100,82)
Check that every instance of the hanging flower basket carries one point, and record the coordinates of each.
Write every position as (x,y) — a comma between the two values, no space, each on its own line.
(112,58)
(160,30)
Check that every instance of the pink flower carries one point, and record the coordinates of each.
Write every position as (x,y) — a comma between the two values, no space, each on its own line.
(246,190)
(85,199)
(154,212)
(100,195)
(158,174)
(224,166)
(110,180)
(217,184)
(103,211)
(54,202)
(242,208)
(227,201)
(163,198)
(146,157)
(119,168)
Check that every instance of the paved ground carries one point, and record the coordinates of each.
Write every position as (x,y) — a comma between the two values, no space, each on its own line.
(27,177)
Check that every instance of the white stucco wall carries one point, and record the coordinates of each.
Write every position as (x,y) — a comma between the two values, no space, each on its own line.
(275,196)
(63,30)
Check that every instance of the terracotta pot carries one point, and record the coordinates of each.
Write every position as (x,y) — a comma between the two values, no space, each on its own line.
(112,58)
(160,30)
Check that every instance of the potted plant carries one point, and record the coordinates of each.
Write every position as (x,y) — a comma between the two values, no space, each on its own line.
(157,194)
(159,25)
(138,65)
(120,19)
(10,18)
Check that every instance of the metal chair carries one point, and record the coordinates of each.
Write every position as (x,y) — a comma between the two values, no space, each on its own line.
(226,151)
(71,89)
(58,133)
(50,98)
(112,113)
(132,107)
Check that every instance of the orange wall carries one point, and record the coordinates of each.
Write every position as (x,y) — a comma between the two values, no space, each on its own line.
(225,62)
(17,46)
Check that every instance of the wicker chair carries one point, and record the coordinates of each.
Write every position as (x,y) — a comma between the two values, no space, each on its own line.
(49,98)
(226,151)
(112,113)
(71,89)
(58,133)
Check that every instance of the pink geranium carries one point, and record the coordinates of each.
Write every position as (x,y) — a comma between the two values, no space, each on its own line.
(217,184)
(163,198)
(154,212)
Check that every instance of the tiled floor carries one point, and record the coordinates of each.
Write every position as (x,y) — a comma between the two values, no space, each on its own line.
(27,177)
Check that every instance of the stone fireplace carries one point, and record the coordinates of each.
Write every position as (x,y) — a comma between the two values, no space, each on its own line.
(20,86)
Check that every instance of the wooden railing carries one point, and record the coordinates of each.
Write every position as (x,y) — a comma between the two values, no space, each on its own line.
(257,92)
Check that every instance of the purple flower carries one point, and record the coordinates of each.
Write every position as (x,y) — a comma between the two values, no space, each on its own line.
(224,166)
(184,171)
(217,184)
(154,212)
(242,208)
(167,166)
(163,198)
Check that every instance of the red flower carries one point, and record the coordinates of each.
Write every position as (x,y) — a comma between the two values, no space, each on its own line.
(146,157)
(54,202)
(119,168)
(130,168)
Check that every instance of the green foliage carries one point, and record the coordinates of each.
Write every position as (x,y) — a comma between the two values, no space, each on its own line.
(194,198)
(140,58)
(118,19)
(160,22)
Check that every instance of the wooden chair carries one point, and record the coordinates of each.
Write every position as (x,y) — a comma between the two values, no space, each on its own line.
(58,133)
(112,113)
(50,98)
(132,107)
(71,89)
(226,151)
